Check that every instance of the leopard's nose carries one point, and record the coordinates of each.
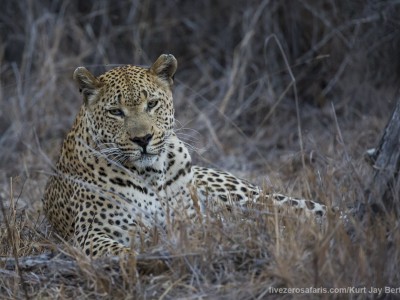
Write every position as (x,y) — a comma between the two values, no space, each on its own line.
(142,141)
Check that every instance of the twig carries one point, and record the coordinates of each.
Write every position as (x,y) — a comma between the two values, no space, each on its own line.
(12,241)
(291,84)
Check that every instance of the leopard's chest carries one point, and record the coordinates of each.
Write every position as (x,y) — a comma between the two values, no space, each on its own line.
(150,197)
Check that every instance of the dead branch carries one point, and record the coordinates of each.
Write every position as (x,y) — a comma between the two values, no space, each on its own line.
(383,191)
(50,265)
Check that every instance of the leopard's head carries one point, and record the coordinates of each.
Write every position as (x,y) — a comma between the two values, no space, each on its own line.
(129,110)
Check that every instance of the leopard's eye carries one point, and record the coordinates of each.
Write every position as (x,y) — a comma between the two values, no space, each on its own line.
(116,112)
(151,104)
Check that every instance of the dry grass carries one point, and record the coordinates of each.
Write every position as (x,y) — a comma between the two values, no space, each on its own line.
(288,93)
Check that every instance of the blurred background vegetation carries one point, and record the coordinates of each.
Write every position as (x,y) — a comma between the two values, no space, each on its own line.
(288,94)
(260,85)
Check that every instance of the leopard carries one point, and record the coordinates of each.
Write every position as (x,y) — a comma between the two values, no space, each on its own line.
(123,170)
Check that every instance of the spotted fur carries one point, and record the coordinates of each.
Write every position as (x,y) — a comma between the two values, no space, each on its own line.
(223,187)
(122,170)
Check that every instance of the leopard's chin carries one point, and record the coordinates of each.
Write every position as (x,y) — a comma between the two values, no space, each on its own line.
(145,160)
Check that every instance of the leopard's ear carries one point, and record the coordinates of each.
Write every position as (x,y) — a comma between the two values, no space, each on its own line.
(165,67)
(88,84)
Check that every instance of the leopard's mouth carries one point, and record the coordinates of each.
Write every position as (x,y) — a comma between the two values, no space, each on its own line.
(128,156)
(146,156)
